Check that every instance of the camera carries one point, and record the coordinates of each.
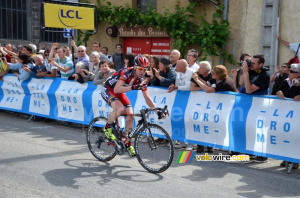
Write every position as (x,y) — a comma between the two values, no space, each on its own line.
(247,61)
(295,81)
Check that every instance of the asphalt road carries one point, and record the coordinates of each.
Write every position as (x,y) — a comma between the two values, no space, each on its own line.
(39,159)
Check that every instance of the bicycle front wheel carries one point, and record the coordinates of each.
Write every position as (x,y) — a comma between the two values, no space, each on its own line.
(155,153)
(101,148)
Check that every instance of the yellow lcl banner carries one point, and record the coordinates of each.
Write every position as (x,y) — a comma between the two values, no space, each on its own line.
(62,16)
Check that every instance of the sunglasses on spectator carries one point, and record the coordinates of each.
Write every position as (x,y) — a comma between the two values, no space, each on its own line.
(46,54)
(294,72)
(80,51)
(141,69)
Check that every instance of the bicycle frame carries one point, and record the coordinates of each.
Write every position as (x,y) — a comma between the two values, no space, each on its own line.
(142,123)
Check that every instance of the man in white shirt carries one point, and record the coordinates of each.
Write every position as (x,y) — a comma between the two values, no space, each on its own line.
(183,77)
(191,58)
(182,82)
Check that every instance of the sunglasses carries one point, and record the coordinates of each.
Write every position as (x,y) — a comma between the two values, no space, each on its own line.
(46,54)
(294,72)
(141,69)
(80,51)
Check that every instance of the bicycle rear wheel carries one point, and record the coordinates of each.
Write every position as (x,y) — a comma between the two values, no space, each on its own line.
(156,154)
(101,148)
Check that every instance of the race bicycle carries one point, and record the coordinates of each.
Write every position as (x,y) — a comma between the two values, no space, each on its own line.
(155,152)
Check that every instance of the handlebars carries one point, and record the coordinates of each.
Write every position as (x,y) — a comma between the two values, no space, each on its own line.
(161,111)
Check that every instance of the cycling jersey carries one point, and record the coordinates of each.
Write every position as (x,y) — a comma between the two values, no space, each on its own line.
(126,75)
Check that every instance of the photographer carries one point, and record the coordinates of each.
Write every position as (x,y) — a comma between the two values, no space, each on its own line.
(255,77)
(237,73)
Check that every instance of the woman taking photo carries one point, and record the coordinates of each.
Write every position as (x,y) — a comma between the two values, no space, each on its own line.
(164,76)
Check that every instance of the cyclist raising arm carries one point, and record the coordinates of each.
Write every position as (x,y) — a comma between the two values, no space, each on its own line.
(113,93)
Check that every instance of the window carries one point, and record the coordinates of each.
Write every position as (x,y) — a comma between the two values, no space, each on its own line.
(52,36)
(14,19)
(144,4)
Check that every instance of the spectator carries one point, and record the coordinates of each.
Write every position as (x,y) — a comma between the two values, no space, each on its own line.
(22,68)
(118,57)
(150,74)
(183,77)
(104,73)
(174,57)
(164,76)
(80,74)
(154,62)
(219,81)
(82,56)
(292,46)
(9,51)
(68,51)
(256,78)
(45,46)
(279,76)
(288,89)
(39,70)
(191,58)
(96,48)
(236,74)
(129,60)
(204,74)
(13,59)
(105,52)
(5,51)
(28,51)
(63,63)
(34,48)
(93,67)
(51,69)
(20,49)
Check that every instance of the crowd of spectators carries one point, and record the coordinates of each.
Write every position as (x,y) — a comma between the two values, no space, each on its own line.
(171,72)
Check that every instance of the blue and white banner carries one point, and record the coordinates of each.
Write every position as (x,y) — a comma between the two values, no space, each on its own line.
(260,125)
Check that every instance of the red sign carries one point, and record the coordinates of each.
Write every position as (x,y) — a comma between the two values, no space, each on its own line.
(153,46)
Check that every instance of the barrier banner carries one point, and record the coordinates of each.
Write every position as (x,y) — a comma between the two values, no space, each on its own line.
(259,125)
(12,95)
(207,118)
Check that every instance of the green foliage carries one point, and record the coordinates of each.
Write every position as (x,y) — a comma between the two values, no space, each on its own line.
(211,37)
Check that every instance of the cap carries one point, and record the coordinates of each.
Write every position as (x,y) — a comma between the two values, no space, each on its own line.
(295,68)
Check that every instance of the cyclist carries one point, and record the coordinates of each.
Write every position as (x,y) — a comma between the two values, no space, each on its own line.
(114,89)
